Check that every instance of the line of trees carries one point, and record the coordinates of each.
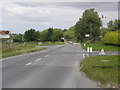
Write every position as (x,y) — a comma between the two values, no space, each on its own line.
(90,23)
(49,34)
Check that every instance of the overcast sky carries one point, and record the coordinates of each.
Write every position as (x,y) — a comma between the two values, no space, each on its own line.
(21,16)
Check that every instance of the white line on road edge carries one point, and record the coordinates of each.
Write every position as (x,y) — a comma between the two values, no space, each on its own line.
(47,55)
(38,59)
(28,63)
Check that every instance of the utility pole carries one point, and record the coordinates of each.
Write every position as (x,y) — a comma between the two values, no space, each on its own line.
(90,30)
(11,40)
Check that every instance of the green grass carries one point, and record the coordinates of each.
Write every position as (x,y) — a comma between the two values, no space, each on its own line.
(51,43)
(96,70)
(19,48)
(99,46)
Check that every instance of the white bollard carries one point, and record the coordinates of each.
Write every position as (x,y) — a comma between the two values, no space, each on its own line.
(90,49)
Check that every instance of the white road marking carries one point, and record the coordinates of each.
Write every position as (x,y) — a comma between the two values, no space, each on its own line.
(28,63)
(47,55)
(38,59)
(18,56)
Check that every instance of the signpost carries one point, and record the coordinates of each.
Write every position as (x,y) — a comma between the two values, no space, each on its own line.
(87,35)
(6,34)
(89,49)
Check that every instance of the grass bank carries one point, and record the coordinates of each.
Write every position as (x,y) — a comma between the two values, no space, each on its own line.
(99,46)
(19,48)
(51,43)
(103,69)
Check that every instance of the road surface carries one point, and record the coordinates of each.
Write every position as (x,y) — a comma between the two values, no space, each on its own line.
(55,67)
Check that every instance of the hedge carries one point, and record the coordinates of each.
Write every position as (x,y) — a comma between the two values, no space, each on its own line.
(112,38)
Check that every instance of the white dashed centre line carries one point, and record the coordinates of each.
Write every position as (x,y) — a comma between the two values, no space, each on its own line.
(28,63)
(38,59)
(47,55)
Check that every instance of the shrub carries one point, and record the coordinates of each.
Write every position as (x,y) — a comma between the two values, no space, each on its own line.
(112,38)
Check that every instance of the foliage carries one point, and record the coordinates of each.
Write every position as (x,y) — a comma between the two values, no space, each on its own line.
(51,35)
(43,35)
(70,34)
(17,37)
(90,23)
(57,34)
(51,43)
(20,48)
(114,25)
(64,30)
(99,46)
(112,38)
(31,35)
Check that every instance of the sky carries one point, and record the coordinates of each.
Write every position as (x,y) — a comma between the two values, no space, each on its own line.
(21,16)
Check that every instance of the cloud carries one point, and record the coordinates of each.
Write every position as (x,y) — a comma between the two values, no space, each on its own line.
(21,16)
(1,15)
(61,0)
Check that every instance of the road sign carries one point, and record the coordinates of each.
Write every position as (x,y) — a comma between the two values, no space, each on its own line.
(4,34)
(87,35)
(84,44)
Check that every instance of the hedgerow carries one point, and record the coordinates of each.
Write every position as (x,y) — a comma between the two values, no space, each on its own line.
(112,38)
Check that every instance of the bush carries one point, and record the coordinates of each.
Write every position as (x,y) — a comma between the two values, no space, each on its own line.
(94,40)
(112,38)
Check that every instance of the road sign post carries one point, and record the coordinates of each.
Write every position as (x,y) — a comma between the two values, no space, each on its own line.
(6,34)
(11,41)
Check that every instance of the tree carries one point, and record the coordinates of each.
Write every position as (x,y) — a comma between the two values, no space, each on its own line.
(51,35)
(114,25)
(110,25)
(17,37)
(31,35)
(57,34)
(50,32)
(90,23)
(64,30)
(70,34)
(44,35)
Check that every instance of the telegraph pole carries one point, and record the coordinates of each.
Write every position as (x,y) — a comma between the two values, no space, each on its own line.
(90,30)
(11,40)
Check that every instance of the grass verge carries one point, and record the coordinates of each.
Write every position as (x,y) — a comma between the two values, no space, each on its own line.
(20,48)
(103,72)
(99,46)
(51,43)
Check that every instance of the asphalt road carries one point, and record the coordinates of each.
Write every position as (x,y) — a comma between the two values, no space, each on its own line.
(56,67)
